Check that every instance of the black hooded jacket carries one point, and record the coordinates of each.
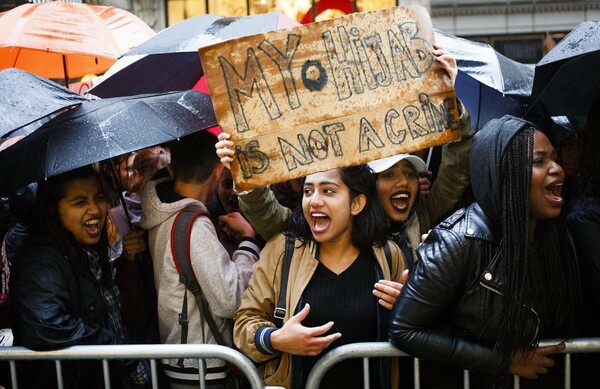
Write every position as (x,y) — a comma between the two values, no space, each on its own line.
(56,303)
(450,307)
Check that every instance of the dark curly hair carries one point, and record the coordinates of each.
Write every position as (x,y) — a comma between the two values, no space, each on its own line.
(369,226)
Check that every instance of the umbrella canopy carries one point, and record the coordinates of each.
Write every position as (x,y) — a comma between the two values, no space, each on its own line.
(488,83)
(567,79)
(169,61)
(101,129)
(67,40)
(26,98)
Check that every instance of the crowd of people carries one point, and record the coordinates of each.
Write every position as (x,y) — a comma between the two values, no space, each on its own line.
(289,272)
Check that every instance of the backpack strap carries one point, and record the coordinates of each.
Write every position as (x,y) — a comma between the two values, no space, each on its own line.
(280,310)
(181,233)
(388,255)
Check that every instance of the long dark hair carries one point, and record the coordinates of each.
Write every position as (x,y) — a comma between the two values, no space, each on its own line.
(589,161)
(47,227)
(369,226)
(543,276)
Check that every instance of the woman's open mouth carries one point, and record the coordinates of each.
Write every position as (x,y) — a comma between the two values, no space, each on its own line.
(319,222)
(92,227)
(553,193)
(400,201)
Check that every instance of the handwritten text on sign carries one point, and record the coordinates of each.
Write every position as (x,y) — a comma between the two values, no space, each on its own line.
(335,93)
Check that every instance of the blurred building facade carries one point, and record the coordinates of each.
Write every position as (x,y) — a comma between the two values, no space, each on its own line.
(521,29)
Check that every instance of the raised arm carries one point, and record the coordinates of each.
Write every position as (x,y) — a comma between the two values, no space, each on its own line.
(261,208)
(452,179)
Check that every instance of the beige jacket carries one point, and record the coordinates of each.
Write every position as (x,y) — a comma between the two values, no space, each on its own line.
(260,299)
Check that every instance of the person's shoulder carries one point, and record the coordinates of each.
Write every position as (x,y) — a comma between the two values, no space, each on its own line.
(583,208)
(470,222)
(584,204)
(277,241)
(40,255)
(40,246)
(389,252)
(276,247)
(453,221)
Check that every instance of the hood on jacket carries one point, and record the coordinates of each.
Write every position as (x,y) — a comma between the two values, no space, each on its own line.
(155,210)
(488,146)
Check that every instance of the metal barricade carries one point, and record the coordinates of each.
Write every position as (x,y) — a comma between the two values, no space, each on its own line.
(150,352)
(383,349)
(153,352)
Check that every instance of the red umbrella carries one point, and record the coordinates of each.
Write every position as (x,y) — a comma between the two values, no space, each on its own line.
(67,40)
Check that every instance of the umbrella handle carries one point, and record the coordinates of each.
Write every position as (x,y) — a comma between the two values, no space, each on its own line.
(120,190)
(429,157)
(64,63)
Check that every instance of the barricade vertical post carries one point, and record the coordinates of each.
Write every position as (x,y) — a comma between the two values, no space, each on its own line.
(154,374)
(59,377)
(417,373)
(366,378)
(201,373)
(13,374)
(567,371)
(106,373)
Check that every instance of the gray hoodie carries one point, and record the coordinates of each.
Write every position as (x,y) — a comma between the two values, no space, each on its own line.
(222,278)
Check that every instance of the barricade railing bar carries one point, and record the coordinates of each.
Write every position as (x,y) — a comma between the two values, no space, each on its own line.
(151,352)
(369,350)
(154,352)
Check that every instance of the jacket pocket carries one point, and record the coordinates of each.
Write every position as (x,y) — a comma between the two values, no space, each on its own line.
(277,371)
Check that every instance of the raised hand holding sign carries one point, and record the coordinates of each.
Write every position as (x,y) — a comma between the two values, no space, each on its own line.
(335,93)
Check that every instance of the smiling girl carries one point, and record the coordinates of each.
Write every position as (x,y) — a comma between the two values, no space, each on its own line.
(61,286)
(338,257)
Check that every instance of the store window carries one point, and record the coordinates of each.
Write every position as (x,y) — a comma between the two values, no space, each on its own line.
(183,9)
(300,10)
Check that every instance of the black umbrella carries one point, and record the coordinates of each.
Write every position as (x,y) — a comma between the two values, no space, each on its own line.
(102,129)
(567,79)
(488,83)
(169,61)
(26,98)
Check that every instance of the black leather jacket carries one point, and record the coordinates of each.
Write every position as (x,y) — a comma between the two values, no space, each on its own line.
(449,308)
(56,303)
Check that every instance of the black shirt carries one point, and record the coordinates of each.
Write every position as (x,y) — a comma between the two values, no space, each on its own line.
(348,301)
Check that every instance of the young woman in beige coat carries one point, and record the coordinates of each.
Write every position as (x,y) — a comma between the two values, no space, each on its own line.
(331,300)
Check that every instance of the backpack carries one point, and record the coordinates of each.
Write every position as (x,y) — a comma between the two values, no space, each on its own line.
(180,248)
(280,309)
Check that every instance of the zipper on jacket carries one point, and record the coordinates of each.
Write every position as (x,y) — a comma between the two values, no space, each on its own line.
(537,329)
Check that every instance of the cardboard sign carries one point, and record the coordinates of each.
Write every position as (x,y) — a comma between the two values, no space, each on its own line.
(330,94)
